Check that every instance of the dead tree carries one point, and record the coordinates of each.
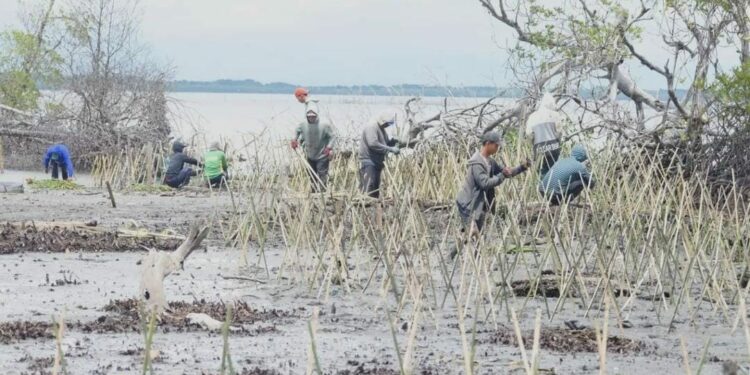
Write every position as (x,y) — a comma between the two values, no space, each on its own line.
(599,41)
(157,265)
(110,96)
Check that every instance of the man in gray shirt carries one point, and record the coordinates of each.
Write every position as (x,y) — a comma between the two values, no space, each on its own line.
(477,195)
(316,139)
(373,147)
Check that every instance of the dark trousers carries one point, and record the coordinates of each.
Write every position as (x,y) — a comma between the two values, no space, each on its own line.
(369,180)
(217,181)
(181,179)
(575,188)
(63,170)
(318,172)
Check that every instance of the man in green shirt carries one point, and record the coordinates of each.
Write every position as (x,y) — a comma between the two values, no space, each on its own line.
(215,166)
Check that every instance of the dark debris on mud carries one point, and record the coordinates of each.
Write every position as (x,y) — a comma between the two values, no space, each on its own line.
(242,313)
(544,288)
(376,367)
(123,316)
(569,341)
(258,371)
(370,368)
(15,331)
(37,365)
(16,238)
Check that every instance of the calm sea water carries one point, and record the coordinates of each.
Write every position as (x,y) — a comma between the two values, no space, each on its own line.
(230,116)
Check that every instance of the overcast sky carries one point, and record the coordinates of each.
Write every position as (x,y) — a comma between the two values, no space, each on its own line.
(327,42)
(322,42)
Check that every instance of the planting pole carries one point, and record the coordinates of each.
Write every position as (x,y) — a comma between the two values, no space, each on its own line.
(111,196)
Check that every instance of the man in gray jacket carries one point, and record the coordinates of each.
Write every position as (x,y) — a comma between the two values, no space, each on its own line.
(477,196)
(373,147)
(316,139)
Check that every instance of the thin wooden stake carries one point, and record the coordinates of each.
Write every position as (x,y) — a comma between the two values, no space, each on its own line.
(111,196)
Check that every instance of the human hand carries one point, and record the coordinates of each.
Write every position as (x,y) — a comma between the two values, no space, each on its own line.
(295,144)
(526,164)
(507,172)
(328,152)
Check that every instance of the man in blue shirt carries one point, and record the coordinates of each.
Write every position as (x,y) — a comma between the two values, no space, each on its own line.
(567,178)
(58,157)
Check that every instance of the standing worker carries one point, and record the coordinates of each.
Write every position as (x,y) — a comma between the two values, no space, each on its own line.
(567,178)
(373,147)
(542,128)
(178,175)
(477,196)
(215,166)
(316,139)
(58,157)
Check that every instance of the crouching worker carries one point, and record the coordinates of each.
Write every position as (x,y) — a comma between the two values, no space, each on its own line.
(373,148)
(58,157)
(178,175)
(567,178)
(215,166)
(316,139)
(477,196)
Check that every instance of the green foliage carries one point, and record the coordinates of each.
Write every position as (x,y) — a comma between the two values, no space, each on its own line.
(54,185)
(18,90)
(25,61)
(733,89)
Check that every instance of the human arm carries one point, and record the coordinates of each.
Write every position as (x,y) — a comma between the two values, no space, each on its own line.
(298,133)
(327,140)
(370,137)
(224,164)
(188,160)
(65,158)
(482,178)
(297,137)
(69,166)
(513,172)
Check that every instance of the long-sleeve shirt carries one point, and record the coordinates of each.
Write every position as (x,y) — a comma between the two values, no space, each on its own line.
(374,146)
(214,164)
(314,138)
(562,174)
(478,191)
(60,154)
(177,161)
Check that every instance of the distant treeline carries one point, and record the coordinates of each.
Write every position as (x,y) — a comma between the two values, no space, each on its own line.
(254,87)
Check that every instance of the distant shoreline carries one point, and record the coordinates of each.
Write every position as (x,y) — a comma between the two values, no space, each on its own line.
(250,86)
(255,87)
